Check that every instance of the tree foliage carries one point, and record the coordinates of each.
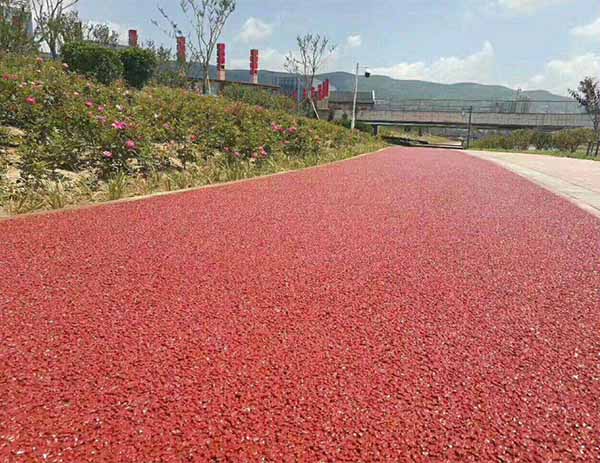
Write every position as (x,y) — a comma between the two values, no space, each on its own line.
(522,140)
(14,19)
(101,34)
(588,96)
(138,66)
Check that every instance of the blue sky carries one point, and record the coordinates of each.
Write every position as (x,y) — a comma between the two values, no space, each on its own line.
(532,44)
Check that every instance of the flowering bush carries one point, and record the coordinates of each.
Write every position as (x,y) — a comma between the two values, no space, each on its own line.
(75,125)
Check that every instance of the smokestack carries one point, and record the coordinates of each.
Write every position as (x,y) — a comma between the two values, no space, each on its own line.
(327,89)
(181,50)
(133,38)
(221,60)
(320,92)
(254,66)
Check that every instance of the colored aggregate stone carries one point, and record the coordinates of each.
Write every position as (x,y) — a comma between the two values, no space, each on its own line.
(410,305)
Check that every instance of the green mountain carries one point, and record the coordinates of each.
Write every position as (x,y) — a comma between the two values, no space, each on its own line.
(394,90)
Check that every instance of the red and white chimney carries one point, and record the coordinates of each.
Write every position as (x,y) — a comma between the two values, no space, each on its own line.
(327,89)
(181,50)
(133,38)
(254,66)
(221,60)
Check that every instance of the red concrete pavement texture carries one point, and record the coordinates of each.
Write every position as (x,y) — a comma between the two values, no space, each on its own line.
(411,305)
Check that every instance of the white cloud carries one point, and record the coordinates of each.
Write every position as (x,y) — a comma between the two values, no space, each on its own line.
(354,41)
(589,31)
(528,6)
(560,75)
(477,67)
(255,30)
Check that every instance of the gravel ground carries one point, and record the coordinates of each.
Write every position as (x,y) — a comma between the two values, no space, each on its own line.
(412,305)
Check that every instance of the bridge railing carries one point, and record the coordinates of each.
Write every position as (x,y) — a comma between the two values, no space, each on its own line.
(484,106)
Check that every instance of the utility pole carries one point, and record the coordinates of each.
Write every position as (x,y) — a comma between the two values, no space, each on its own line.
(469,127)
(353,123)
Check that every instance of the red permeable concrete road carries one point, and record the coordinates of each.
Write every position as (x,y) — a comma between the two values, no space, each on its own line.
(411,305)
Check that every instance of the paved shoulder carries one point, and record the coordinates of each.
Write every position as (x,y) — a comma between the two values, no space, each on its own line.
(575,179)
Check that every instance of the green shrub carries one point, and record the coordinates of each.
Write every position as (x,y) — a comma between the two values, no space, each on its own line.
(73,125)
(542,140)
(259,97)
(138,66)
(92,60)
(520,140)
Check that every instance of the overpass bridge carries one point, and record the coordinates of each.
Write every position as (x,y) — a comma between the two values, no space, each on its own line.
(547,116)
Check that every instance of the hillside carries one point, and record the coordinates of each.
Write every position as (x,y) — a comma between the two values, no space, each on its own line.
(392,90)
(67,140)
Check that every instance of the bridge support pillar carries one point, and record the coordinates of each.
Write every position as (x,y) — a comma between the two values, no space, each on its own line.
(375,130)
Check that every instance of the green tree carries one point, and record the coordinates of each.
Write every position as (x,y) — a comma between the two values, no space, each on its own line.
(588,96)
(15,18)
(101,34)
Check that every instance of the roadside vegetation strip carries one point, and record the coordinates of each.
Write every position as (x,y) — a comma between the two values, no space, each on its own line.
(66,140)
(569,143)
(410,305)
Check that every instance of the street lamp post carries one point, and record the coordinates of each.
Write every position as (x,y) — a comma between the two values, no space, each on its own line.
(367,75)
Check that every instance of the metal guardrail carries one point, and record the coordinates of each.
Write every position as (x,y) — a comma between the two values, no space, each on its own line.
(484,106)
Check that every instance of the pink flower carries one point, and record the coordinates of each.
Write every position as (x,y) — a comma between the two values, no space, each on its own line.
(194,138)
(292,130)
(102,119)
(263,152)
(31,100)
(130,145)
(227,149)
(107,154)
(101,109)
(89,104)
(119,125)
(237,154)
(277,128)
(167,126)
